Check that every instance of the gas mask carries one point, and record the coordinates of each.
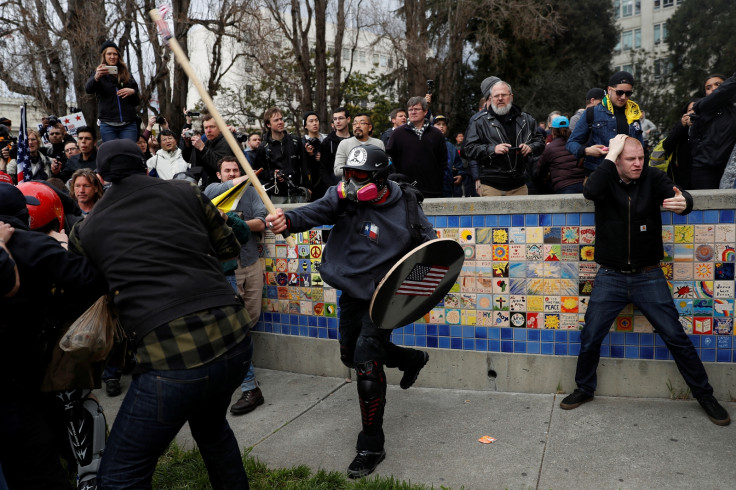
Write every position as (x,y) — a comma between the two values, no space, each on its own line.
(357,190)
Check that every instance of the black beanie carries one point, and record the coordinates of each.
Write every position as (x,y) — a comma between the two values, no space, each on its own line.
(108,44)
(118,159)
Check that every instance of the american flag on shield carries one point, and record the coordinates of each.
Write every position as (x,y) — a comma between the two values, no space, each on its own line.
(422,280)
(24,154)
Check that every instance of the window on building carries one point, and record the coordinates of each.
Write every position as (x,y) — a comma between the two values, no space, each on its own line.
(637,38)
(251,121)
(662,68)
(390,62)
(657,4)
(330,48)
(345,54)
(627,8)
(664,33)
(361,56)
(617,48)
(668,3)
(249,90)
(637,7)
(616,9)
(383,63)
(626,40)
(657,34)
(629,68)
(375,59)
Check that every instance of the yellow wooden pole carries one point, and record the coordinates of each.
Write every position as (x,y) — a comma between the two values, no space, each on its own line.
(181,57)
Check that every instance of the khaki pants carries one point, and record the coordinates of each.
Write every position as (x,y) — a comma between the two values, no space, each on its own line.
(250,288)
(487,190)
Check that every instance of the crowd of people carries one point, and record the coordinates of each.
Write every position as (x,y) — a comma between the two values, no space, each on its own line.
(162,269)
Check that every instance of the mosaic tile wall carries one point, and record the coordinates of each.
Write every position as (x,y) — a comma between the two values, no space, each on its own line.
(525,287)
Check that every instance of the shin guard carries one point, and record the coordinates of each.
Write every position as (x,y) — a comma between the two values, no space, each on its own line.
(372,396)
(86,425)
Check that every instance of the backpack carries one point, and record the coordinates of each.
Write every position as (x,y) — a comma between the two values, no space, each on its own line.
(659,157)
(413,199)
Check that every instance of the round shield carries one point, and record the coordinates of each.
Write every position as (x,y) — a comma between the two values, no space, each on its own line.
(416,283)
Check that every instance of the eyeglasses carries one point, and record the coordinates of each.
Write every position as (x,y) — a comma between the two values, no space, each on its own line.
(621,93)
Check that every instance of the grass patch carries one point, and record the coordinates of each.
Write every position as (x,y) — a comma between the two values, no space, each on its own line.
(178,469)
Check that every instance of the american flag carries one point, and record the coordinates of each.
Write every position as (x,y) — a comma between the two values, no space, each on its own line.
(422,280)
(24,154)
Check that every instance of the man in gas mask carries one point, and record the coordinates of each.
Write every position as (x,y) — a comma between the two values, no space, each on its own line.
(376,221)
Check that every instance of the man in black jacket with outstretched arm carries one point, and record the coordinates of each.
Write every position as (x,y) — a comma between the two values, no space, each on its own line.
(627,196)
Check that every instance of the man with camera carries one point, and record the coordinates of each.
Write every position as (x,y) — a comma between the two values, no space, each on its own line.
(502,139)
(283,158)
(312,140)
(206,154)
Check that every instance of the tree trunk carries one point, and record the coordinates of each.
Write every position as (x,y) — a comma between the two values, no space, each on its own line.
(335,89)
(320,62)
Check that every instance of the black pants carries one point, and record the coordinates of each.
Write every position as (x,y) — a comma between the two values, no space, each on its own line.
(368,348)
(29,453)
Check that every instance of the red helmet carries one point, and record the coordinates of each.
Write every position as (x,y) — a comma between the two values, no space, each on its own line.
(50,206)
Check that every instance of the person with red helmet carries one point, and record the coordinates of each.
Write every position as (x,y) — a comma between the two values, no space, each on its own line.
(49,214)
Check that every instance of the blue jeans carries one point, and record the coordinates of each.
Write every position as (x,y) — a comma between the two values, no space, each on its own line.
(571,189)
(648,291)
(109,133)
(157,405)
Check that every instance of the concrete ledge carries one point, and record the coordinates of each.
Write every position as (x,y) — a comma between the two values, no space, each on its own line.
(494,371)
(549,203)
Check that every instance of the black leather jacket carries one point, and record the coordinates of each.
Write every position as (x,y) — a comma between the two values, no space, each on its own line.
(485,131)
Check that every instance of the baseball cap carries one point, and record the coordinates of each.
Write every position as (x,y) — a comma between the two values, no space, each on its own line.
(595,93)
(621,77)
(12,200)
(560,122)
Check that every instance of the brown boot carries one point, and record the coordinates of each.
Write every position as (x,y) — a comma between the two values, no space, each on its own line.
(248,402)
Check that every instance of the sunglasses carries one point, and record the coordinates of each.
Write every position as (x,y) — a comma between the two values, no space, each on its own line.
(621,93)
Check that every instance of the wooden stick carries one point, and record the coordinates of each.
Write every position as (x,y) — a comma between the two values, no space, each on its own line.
(181,57)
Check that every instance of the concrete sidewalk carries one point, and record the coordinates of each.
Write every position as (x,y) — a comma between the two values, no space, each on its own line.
(432,437)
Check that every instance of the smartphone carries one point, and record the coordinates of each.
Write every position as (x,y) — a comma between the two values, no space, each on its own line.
(112,70)
(515,148)
(430,87)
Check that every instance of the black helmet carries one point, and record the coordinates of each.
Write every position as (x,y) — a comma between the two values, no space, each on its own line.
(369,158)
(366,157)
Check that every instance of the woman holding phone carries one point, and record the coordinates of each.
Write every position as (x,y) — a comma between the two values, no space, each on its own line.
(117,95)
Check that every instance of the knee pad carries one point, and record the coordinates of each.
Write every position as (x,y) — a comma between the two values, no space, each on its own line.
(87,428)
(372,397)
(371,380)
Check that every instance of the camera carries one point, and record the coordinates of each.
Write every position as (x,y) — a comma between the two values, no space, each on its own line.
(693,116)
(241,137)
(160,120)
(313,141)
(430,87)
(189,133)
(192,114)
(53,120)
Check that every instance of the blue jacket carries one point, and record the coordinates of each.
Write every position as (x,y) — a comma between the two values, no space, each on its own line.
(600,132)
(366,239)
